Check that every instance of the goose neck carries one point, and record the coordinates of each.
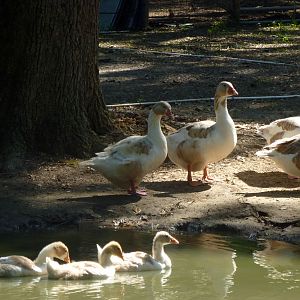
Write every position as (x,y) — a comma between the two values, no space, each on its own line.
(154,128)
(158,251)
(41,258)
(104,259)
(221,110)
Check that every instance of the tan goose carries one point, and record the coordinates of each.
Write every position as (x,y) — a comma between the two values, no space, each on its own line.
(140,261)
(128,161)
(77,270)
(285,153)
(84,269)
(279,129)
(197,144)
(17,265)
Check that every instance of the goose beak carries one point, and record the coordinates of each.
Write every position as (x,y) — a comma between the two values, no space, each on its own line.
(120,255)
(174,241)
(67,259)
(170,114)
(233,91)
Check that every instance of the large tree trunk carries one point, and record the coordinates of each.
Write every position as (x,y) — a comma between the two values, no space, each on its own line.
(50,99)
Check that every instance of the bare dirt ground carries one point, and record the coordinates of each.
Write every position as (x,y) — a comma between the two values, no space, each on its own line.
(250,196)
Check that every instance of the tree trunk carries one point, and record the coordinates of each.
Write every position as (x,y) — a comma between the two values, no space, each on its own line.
(50,100)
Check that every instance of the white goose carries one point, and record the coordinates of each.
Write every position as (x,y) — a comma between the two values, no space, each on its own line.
(17,265)
(84,269)
(279,129)
(285,153)
(197,144)
(138,260)
(128,161)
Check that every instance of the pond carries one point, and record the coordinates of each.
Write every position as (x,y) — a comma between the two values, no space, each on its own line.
(205,266)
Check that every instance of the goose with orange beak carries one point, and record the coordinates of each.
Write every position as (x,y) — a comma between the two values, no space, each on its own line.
(128,161)
(140,261)
(198,144)
(17,265)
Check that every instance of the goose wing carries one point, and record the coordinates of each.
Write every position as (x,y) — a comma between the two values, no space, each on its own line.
(129,147)
(21,262)
(142,260)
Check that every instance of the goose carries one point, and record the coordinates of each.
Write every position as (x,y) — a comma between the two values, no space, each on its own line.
(77,270)
(129,160)
(197,144)
(17,265)
(138,260)
(84,269)
(285,153)
(279,129)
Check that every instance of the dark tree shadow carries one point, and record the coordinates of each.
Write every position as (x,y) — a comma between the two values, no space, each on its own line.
(104,201)
(274,194)
(267,179)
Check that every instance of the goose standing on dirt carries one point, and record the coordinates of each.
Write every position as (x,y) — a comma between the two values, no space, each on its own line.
(84,269)
(138,260)
(197,144)
(285,153)
(128,161)
(17,265)
(279,129)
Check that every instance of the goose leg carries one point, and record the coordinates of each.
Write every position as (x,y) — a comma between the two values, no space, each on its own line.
(133,190)
(205,177)
(190,179)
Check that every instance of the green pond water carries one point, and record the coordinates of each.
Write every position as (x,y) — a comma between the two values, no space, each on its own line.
(205,266)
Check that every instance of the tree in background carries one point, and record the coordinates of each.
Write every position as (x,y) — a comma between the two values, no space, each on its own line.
(50,98)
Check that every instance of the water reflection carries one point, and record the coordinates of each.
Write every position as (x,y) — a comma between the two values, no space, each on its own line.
(279,258)
(205,266)
(260,277)
(123,286)
(218,259)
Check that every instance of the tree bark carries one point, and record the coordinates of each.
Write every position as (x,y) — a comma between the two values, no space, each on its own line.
(50,100)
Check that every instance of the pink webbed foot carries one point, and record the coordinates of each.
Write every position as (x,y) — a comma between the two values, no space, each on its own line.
(205,177)
(194,183)
(137,192)
(134,191)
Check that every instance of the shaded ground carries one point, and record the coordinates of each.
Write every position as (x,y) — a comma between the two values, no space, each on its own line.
(250,195)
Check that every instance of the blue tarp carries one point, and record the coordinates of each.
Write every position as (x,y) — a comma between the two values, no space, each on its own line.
(123,14)
(109,10)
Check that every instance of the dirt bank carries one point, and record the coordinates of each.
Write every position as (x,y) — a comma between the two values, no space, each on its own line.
(250,195)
